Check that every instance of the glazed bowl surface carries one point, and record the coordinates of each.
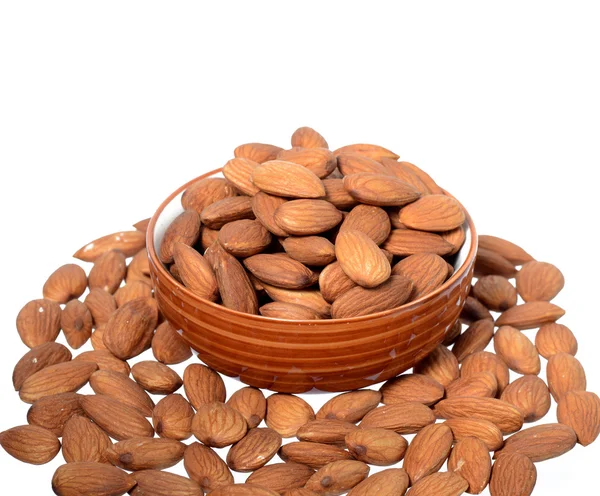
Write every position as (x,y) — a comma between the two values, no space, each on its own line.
(298,356)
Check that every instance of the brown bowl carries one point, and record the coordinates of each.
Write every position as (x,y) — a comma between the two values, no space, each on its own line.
(302,355)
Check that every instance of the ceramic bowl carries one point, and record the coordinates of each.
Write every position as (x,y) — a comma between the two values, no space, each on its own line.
(310,355)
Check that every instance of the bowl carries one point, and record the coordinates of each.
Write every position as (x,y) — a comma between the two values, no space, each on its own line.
(296,356)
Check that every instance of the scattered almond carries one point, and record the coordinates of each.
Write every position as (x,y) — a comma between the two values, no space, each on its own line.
(541,442)
(470,459)
(127,242)
(251,403)
(474,310)
(338,477)
(490,263)
(418,388)
(428,451)
(326,431)
(517,351)
(441,365)
(168,346)
(218,425)
(482,384)
(203,385)
(53,412)
(390,482)
(101,305)
(530,315)
(403,417)
(108,271)
(484,430)
(76,323)
(38,322)
(30,444)
(580,410)
(145,454)
(65,283)
(440,484)
(539,281)
(484,361)
(157,483)
(105,360)
(281,476)
(91,478)
(351,406)
(510,251)
(38,358)
(255,450)
(564,373)
(286,413)
(513,474)
(205,467)
(530,395)
(172,417)
(476,338)
(155,377)
(495,292)
(554,338)
(315,455)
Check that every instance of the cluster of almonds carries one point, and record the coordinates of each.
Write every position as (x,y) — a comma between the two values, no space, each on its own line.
(308,233)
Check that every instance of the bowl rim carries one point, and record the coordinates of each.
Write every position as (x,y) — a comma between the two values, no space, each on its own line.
(162,271)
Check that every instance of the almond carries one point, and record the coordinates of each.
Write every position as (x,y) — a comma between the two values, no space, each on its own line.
(264,207)
(338,477)
(482,384)
(383,191)
(67,377)
(427,271)
(403,417)
(101,305)
(254,451)
(404,242)
(510,251)
(474,339)
(336,194)
(356,163)
(53,412)
(217,214)
(76,322)
(287,179)
(208,236)
(375,152)
(441,365)
(65,283)
(326,431)
(195,272)
(333,282)
(512,475)
(490,263)
(440,484)
(376,446)
(541,442)
(539,281)
(76,479)
(390,482)
(244,238)
(145,454)
(38,358)
(130,329)
(172,417)
(304,297)
(205,467)
(530,395)
(456,237)
(364,301)
(504,415)
(423,176)
(139,268)
(281,476)
(320,161)
(436,213)
(474,310)
(495,292)
(168,346)
(30,444)
(288,311)
(310,250)
(307,137)
(315,455)
(184,229)
(38,322)
(203,385)
(351,406)
(251,403)
(517,351)
(371,220)
(157,483)
(484,361)
(452,333)
(280,270)
(306,217)
(105,360)
(156,378)
(142,225)
(239,172)
(530,315)
(218,425)
(243,490)
(286,413)
(98,338)
(418,388)
(555,338)
(84,441)
(127,242)
(564,373)
(361,259)
(205,192)
(132,291)
(118,420)
(580,410)
(406,174)
(482,429)
(235,287)
(470,459)
(259,152)
(428,451)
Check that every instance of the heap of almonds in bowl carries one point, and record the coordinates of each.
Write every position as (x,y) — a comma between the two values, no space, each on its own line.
(454,425)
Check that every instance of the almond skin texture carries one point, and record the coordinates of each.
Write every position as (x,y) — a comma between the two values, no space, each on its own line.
(336,194)
(259,152)
(412,387)
(315,455)
(142,225)
(30,444)
(404,242)
(440,484)
(287,179)
(53,412)
(504,415)
(65,283)
(67,377)
(484,361)
(108,271)
(205,192)
(474,310)
(195,272)
(484,430)
(38,322)
(145,454)
(580,410)
(355,163)
(437,213)
(216,215)
(101,305)
(456,237)
(474,339)
(281,476)
(307,137)
(373,221)
(168,346)
(117,419)
(255,450)
(105,360)
(382,191)
(495,292)
(351,406)
(363,301)
(452,333)
(423,176)
(427,271)
(127,242)
(76,322)
(280,270)
(132,291)
(512,475)
(406,174)
(564,373)
(251,403)
(156,378)
(333,282)
(376,446)
(510,251)
(310,250)
(235,287)
(390,482)
(244,238)
(286,413)
(470,459)
(38,358)
(539,281)
(530,395)
(375,152)
(441,365)
(139,268)
(320,161)
(338,477)
(203,385)
(305,297)
(306,217)
(541,442)
(530,315)
(490,263)
(517,351)
(84,441)
(483,384)
(243,490)
(205,467)
(326,431)
(172,417)
(264,207)
(402,417)
(123,389)
(288,311)
(157,483)
(218,425)
(184,229)
(428,451)
(361,259)
(552,339)
(239,172)
(93,479)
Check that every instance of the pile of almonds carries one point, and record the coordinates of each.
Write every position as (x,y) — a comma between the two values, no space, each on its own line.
(466,412)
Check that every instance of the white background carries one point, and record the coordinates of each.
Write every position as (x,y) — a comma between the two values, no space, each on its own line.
(107,107)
